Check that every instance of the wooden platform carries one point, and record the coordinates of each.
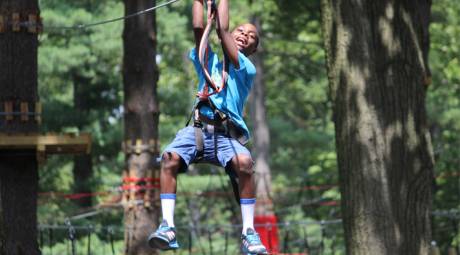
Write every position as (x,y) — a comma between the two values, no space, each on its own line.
(48,143)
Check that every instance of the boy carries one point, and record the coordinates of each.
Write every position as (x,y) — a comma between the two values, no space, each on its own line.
(221,128)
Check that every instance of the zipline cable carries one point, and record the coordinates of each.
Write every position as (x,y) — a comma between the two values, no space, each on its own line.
(84,26)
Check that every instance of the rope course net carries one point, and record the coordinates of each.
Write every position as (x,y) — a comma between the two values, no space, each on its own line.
(303,237)
(198,233)
(297,238)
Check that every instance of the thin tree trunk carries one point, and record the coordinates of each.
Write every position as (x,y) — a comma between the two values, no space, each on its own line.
(82,172)
(18,168)
(378,72)
(264,213)
(83,164)
(140,76)
(261,135)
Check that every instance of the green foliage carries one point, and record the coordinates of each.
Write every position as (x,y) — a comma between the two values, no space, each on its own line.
(95,244)
(443,104)
(73,63)
(302,149)
(298,110)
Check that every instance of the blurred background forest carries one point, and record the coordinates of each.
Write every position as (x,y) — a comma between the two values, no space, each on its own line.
(80,85)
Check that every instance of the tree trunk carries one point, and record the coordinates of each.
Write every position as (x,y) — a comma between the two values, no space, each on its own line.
(82,172)
(378,73)
(261,133)
(18,168)
(140,76)
(264,213)
(83,164)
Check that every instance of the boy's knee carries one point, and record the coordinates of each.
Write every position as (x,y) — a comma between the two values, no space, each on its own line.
(243,164)
(170,162)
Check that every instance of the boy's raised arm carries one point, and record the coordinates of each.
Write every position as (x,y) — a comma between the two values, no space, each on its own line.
(228,43)
(223,15)
(197,21)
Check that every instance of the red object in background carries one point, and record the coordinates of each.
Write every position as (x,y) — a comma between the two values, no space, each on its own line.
(267,228)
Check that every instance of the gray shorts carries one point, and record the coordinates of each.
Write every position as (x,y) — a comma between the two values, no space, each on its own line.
(184,146)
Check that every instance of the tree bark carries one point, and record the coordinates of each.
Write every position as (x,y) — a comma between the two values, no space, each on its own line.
(140,76)
(261,134)
(18,168)
(264,218)
(378,74)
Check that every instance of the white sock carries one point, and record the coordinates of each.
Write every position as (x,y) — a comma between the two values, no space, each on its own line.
(168,202)
(247,213)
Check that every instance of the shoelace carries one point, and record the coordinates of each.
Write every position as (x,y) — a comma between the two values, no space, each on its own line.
(253,239)
(164,230)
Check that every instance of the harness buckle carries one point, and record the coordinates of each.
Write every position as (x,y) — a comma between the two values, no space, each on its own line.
(197,123)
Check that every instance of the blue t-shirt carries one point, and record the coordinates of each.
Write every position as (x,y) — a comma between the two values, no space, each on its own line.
(232,98)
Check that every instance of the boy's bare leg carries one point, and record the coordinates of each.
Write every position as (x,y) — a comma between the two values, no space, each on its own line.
(170,165)
(251,243)
(164,238)
(243,165)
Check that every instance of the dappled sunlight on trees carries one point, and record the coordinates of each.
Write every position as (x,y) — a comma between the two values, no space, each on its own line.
(379,93)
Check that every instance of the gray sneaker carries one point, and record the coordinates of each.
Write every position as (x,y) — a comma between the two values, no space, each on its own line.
(164,238)
(251,244)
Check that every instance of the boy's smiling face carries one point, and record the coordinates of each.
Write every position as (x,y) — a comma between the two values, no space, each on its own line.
(246,38)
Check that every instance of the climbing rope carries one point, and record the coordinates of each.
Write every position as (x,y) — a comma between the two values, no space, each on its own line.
(203,55)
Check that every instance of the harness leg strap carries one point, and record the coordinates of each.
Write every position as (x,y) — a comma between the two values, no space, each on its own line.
(197,126)
(234,181)
(199,143)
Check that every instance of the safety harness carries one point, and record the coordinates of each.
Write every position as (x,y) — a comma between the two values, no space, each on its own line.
(220,122)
